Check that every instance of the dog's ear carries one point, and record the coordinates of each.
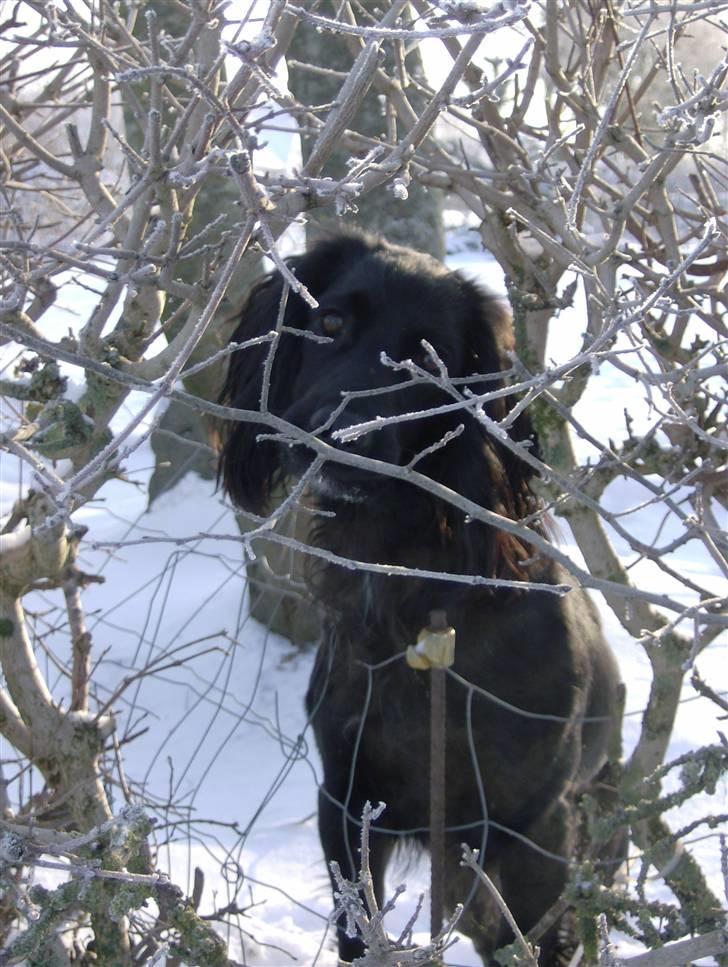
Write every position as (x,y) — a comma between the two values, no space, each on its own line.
(248,466)
(491,341)
(488,341)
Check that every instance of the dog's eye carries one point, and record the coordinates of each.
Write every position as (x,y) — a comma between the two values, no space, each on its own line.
(331,323)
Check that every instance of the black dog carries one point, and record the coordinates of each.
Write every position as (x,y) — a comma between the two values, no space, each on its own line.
(512,779)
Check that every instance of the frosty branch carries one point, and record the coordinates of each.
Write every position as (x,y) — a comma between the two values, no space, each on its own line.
(136,198)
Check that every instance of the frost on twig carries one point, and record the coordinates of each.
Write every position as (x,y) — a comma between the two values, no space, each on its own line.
(357,904)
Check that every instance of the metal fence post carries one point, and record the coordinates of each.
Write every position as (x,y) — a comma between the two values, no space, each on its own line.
(435,650)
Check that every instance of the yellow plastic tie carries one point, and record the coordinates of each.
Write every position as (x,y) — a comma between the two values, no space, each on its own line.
(435,647)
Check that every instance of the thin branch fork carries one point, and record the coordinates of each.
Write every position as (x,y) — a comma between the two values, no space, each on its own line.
(470,859)
(350,97)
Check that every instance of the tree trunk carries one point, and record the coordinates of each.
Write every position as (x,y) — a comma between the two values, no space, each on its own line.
(185,441)
(416,220)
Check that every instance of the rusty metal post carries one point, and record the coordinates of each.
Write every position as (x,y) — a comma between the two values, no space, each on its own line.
(437,799)
(435,650)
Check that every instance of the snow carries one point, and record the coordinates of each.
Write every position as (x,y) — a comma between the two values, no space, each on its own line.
(15,539)
(216,727)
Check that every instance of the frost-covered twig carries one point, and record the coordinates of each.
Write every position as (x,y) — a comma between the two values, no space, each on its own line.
(470,859)
(358,906)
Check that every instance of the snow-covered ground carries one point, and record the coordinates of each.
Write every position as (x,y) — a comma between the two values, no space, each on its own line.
(216,726)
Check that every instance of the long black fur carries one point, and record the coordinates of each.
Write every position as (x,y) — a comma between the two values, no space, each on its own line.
(534,651)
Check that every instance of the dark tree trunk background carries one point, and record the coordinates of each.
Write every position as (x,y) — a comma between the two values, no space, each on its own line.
(415,221)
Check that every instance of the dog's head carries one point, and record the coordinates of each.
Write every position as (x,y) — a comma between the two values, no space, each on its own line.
(335,367)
